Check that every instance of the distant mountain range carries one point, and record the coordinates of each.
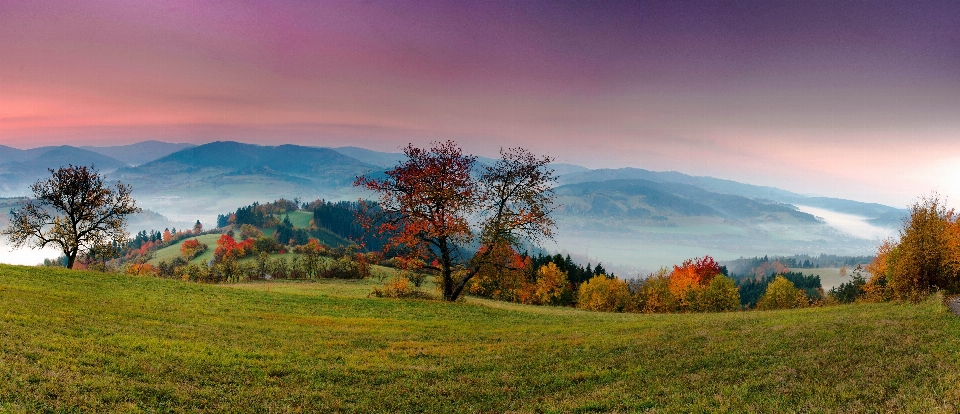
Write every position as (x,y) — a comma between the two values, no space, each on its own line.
(222,171)
(629,216)
(877,214)
(645,199)
(141,152)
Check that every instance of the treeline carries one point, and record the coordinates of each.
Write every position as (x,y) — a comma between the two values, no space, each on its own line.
(751,289)
(744,266)
(333,223)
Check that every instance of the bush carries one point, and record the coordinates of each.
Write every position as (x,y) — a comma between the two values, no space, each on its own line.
(345,268)
(601,293)
(398,287)
(192,248)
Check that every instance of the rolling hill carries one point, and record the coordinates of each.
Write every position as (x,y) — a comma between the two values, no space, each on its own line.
(24,167)
(141,152)
(202,181)
(876,214)
(646,199)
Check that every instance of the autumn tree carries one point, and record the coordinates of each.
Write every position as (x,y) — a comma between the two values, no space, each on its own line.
(720,295)
(74,210)
(925,257)
(435,205)
(604,294)
(782,294)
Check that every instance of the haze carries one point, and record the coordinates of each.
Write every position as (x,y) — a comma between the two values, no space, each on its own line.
(847,99)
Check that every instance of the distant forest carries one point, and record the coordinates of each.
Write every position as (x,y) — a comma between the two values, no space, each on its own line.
(745,266)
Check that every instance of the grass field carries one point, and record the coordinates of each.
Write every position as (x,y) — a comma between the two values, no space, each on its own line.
(299,219)
(830,276)
(91,342)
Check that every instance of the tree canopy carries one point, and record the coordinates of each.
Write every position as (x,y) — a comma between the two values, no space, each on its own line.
(74,210)
(444,214)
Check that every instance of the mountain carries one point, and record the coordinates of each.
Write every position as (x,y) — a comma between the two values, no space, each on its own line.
(384,160)
(141,152)
(645,199)
(202,181)
(388,160)
(28,166)
(8,154)
(286,159)
(716,185)
(877,214)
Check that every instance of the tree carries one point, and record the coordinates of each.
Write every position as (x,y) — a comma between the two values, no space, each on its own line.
(74,210)
(434,206)
(721,295)
(782,294)
(925,258)
(603,294)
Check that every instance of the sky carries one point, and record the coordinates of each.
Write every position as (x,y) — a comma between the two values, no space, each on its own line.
(852,99)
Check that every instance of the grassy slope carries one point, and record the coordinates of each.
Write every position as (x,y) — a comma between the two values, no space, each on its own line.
(299,218)
(172,252)
(80,341)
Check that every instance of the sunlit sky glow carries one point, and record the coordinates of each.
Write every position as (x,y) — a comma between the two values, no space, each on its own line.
(858,100)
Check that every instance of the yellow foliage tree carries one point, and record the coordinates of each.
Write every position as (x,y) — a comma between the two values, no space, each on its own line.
(927,255)
(721,295)
(782,294)
(657,297)
(552,284)
(601,293)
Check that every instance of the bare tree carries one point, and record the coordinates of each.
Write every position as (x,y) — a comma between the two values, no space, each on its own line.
(73,210)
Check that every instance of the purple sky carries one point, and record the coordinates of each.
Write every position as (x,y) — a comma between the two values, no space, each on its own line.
(852,99)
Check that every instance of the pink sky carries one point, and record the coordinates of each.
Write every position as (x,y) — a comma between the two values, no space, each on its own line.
(855,100)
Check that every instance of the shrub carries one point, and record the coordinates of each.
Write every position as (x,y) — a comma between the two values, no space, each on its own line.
(345,268)
(248,231)
(194,273)
(601,293)
(398,287)
(192,248)
(141,269)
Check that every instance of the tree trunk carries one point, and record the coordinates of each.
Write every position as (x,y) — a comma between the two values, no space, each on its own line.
(446,271)
(71,259)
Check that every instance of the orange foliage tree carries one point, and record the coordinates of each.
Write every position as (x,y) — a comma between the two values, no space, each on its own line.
(191,248)
(434,205)
(502,275)
(693,275)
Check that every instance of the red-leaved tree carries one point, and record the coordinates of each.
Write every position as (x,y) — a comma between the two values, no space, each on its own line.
(435,205)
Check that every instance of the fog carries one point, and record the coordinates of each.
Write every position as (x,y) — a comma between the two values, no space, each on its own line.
(25,256)
(850,224)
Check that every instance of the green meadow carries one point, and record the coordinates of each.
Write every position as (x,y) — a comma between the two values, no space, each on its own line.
(75,341)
